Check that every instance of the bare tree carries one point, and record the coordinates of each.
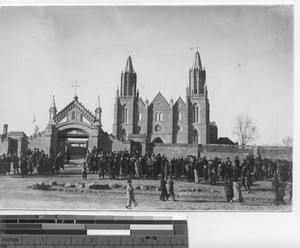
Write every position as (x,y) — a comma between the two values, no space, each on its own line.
(244,129)
(288,141)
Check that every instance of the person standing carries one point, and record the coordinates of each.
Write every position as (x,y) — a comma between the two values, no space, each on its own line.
(171,189)
(237,193)
(281,192)
(229,190)
(84,170)
(16,163)
(130,195)
(163,190)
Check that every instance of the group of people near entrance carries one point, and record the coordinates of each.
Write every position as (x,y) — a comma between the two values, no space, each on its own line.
(31,161)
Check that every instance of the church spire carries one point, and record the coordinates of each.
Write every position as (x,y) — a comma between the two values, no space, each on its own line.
(128,80)
(53,103)
(128,66)
(52,110)
(98,102)
(197,78)
(197,62)
(98,110)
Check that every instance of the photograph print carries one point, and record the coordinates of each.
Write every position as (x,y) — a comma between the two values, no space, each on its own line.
(146,108)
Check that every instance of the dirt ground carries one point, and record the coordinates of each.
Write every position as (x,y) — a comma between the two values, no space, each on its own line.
(15,194)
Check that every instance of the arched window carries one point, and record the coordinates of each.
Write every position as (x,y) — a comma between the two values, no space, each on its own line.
(139,116)
(124,114)
(196,113)
(195,136)
(123,134)
(160,116)
(179,115)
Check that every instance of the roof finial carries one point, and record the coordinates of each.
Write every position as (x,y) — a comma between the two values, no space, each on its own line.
(53,102)
(75,85)
(98,102)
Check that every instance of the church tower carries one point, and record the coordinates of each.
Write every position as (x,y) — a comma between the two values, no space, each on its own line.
(198,103)
(125,116)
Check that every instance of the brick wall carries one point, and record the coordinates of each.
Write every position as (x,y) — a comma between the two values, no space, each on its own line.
(120,146)
(224,151)
(42,142)
(276,152)
(175,150)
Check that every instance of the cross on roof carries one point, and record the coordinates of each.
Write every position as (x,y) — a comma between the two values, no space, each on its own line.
(195,48)
(75,85)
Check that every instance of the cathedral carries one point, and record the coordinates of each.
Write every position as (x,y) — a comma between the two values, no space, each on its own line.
(138,125)
(185,121)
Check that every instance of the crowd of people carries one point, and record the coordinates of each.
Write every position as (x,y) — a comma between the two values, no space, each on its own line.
(122,165)
(235,174)
(31,161)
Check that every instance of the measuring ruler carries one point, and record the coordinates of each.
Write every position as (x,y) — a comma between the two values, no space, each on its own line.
(105,231)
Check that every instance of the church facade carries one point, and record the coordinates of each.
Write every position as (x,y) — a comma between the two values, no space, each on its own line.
(137,126)
(185,121)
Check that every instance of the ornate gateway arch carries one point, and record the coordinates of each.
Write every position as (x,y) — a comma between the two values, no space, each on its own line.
(74,122)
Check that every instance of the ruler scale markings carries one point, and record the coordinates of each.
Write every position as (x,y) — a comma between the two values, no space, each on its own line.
(165,231)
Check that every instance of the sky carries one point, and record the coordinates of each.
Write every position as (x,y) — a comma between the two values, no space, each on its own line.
(247,52)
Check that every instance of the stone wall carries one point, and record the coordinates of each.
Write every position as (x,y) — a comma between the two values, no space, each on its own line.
(4,146)
(175,150)
(276,152)
(120,146)
(223,151)
(42,142)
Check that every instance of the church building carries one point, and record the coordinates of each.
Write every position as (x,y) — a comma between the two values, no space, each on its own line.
(185,121)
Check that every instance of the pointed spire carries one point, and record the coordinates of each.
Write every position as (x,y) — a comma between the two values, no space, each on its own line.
(129,67)
(197,62)
(98,103)
(53,103)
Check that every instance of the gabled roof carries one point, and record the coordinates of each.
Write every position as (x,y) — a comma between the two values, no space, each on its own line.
(160,98)
(141,102)
(180,102)
(225,141)
(75,103)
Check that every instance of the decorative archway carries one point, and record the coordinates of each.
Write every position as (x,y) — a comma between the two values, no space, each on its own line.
(158,140)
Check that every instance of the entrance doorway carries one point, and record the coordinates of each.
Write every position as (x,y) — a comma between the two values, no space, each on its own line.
(73,144)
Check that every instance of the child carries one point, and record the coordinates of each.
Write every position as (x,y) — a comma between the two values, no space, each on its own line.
(83,169)
(130,195)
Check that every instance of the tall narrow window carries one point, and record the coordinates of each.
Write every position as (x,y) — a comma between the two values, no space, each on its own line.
(124,114)
(195,136)
(196,113)
(123,134)
(179,115)
(139,116)
(125,88)
(73,115)
(160,116)
(157,116)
